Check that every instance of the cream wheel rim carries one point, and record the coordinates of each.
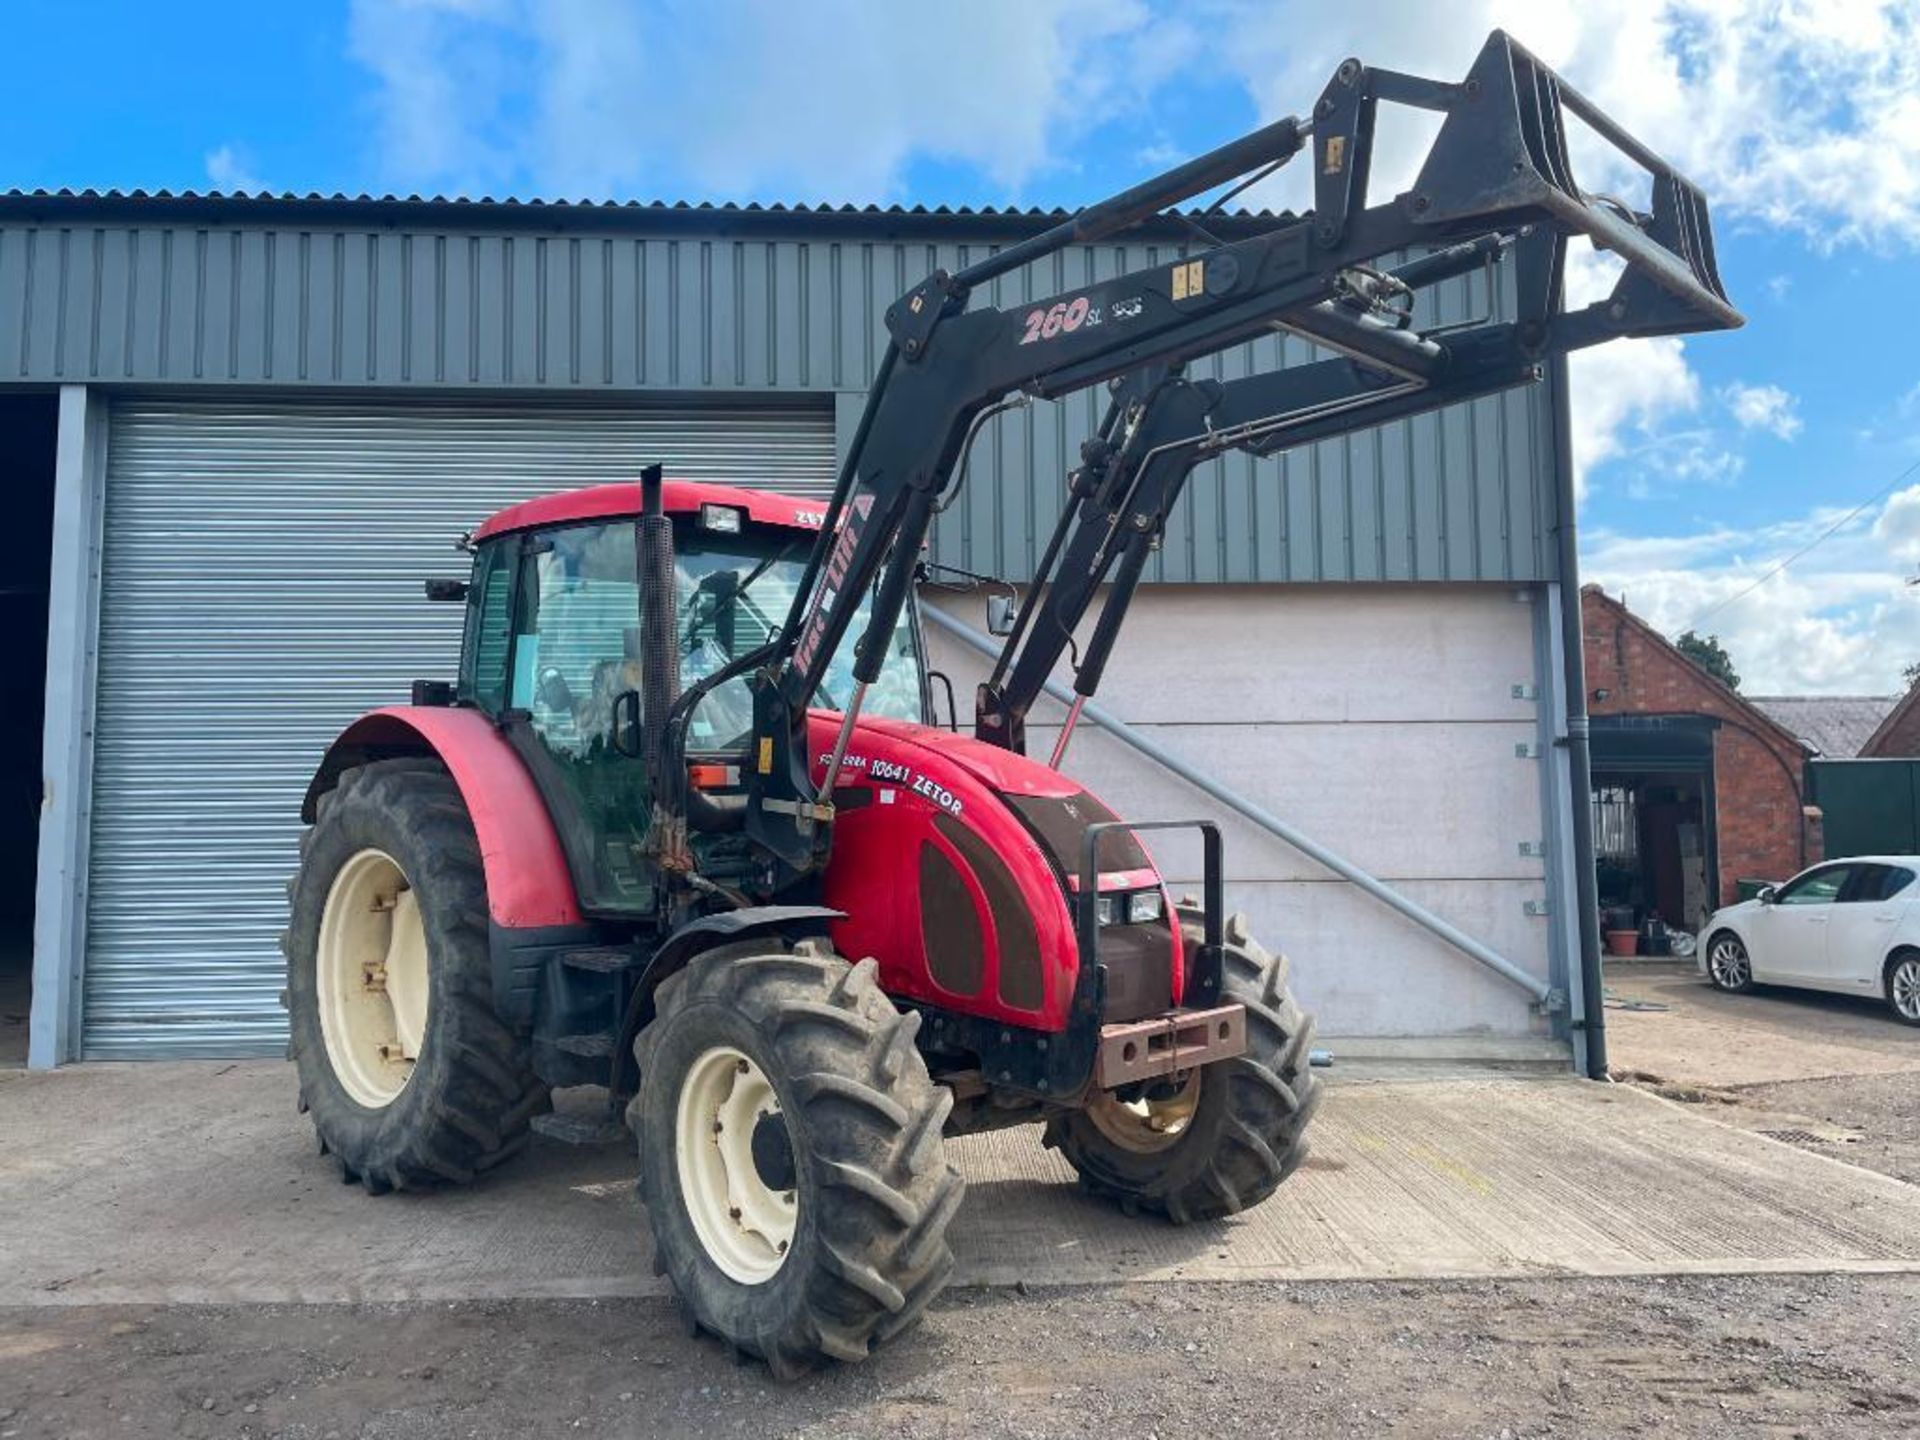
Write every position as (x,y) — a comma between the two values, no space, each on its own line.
(372,978)
(745,1224)
(1147,1126)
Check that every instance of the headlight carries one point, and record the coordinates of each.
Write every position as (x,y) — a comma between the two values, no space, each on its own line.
(1139,907)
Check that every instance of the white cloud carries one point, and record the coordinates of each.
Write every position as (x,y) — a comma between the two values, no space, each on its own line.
(1898,527)
(1797,112)
(830,101)
(229,172)
(1763,407)
(1840,620)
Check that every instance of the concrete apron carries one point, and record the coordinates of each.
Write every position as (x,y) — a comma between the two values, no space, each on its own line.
(185,1183)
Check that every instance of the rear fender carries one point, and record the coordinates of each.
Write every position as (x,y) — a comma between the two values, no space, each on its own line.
(528,884)
(787,921)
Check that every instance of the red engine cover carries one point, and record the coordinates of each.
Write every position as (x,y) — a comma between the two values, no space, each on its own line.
(904,788)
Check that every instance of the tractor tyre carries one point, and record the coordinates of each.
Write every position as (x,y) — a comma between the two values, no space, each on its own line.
(1224,1136)
(410,1077)
(791,1154)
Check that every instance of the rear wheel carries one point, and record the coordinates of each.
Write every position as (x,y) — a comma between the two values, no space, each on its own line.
(1217,1139)
(408,1074)
(791,1154)
(1903,985)
(1728,964)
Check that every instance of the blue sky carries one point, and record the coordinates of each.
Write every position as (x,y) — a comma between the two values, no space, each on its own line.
(1704,462)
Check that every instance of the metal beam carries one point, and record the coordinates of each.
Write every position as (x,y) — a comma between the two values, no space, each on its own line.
(1541,992)
(73,610)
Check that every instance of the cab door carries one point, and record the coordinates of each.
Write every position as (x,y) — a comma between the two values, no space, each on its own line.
(555,653)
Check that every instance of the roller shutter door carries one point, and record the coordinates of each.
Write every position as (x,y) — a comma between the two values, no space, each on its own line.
(260,587)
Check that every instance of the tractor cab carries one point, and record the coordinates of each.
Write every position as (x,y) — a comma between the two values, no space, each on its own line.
(553,654)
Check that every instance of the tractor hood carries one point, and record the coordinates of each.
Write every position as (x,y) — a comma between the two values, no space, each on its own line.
(997,769)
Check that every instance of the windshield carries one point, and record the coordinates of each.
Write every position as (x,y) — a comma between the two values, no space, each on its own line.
(734,592)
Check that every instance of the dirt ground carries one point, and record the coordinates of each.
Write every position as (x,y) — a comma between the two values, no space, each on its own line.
(1834,1074)
(1766,1355)
(1778,1355)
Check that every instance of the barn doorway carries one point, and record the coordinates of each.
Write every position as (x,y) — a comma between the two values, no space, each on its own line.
(29,425)
(1655,840)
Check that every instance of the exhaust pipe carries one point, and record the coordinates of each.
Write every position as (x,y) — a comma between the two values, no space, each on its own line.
(659,668)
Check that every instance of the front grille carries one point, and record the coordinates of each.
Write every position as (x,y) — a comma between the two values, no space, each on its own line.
(1139,964)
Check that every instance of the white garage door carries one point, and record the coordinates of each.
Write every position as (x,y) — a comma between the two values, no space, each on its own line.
(261,587)
(1381,720)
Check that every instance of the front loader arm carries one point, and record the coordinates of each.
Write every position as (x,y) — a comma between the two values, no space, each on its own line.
(1496,174)
(1160,426)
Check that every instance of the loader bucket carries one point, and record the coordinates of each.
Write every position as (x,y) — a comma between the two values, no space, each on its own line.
(1504,145)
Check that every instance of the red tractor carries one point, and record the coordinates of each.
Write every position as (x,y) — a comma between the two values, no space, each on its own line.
(667,833)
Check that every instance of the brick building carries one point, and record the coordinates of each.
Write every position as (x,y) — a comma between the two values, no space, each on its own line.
(1695,788)
(1898,736)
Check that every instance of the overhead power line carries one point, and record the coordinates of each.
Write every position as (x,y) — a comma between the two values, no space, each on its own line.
(1823,536)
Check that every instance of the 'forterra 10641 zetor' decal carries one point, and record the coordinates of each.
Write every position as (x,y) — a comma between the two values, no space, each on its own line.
(892,772)
(1062,317)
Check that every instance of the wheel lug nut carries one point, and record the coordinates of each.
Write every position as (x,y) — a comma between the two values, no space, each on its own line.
(733,1211)
(741,1066)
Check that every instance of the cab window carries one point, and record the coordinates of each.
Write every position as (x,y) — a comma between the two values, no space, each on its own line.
(483,649)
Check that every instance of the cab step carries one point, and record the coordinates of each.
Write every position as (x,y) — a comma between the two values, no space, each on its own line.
(594,1045)
(602,959)
(582,1129)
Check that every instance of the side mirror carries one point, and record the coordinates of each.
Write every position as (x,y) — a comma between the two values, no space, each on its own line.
(1768,894)
(999,614)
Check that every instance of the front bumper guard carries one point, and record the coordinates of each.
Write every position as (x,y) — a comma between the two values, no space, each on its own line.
(1167,1044)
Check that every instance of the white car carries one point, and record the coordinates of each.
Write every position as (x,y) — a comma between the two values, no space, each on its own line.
(1850,926)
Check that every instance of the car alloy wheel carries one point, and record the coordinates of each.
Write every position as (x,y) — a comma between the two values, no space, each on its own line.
(1727,963)
(1903,988)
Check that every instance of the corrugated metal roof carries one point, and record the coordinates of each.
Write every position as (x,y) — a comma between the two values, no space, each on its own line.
(513,210)
(1836,726)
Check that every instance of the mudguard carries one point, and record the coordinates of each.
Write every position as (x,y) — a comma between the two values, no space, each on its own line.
(528,884)
(792,921)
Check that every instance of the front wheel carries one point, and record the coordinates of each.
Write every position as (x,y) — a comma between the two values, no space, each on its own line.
(1728,964)
(1220,1138)
(1903,986)
(791,1154)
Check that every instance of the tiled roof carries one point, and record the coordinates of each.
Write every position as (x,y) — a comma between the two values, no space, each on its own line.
(1836,726)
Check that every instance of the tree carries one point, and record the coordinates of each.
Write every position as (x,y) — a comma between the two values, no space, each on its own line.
(1911,675)
(1708,653)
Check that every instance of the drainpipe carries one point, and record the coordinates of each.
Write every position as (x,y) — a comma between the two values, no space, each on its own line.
(1579,753)
(1541,992)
